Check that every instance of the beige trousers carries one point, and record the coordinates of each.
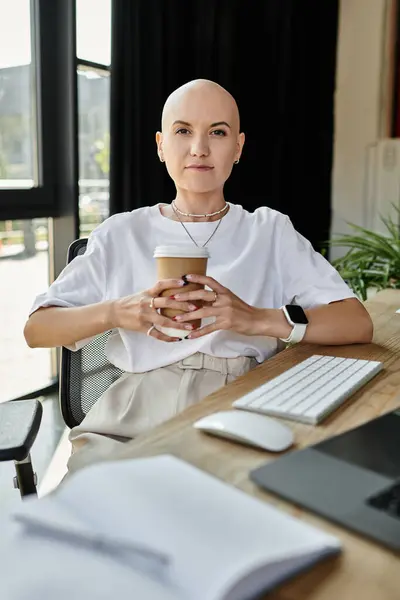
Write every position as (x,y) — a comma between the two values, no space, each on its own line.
(137,402)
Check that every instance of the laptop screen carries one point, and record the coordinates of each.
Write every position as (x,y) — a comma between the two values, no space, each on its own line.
(374,445)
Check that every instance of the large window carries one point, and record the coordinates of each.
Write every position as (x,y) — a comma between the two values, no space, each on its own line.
(24,257)
(44,136)
(93,50)
(18,168)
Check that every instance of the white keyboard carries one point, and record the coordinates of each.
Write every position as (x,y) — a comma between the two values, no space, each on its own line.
(311,390)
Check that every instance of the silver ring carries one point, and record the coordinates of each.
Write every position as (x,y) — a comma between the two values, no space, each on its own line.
(152,303)
(150,330)
(215,297)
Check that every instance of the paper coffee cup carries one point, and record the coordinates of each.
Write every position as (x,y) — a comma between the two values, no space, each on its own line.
(172,263)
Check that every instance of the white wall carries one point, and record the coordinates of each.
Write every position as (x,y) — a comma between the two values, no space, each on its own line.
(362,102)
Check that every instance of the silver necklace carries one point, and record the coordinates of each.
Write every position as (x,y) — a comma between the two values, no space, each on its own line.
(188,233)
(184,214)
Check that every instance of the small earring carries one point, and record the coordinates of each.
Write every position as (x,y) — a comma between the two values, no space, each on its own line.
(236,162)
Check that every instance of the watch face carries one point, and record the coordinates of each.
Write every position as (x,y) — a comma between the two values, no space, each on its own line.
(297,314)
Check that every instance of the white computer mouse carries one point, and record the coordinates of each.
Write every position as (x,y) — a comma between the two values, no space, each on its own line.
(248,428)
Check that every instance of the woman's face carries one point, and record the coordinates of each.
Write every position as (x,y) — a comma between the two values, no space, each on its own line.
(200,139)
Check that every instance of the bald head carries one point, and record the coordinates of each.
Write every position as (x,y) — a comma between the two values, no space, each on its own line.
(205,100)
(200,126)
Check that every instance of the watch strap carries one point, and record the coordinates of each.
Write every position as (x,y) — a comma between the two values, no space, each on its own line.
(296,335)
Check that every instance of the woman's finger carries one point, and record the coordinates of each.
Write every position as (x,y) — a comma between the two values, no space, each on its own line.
(204,295)
(203,331)
(164,284)
(165,322)
(202,313)
(149,307)
(162,337)
(170,303)
(205,280)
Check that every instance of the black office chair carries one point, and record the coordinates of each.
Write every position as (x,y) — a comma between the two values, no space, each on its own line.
(84,376)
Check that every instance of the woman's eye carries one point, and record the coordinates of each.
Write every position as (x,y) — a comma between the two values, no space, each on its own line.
(182,131)
(218,132)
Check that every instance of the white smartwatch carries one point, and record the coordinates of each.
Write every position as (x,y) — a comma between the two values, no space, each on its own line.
(296,317)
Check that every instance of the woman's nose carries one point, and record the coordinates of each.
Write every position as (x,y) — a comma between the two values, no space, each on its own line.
(200,147)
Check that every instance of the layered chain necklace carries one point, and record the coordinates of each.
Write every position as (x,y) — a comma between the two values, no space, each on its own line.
(177,212)
(218,212)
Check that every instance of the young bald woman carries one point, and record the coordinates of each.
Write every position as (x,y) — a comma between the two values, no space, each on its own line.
(259,263)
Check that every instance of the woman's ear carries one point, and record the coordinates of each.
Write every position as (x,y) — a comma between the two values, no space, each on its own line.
(240,144)
(159,146)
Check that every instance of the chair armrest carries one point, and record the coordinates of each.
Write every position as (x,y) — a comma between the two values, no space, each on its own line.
(19,424)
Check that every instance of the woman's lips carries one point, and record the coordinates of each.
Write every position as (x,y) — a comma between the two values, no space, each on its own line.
(199,167)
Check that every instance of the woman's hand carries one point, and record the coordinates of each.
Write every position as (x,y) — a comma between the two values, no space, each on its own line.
(139,311)
(230,312)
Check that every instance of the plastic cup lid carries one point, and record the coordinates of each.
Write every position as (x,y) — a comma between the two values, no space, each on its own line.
(180,252)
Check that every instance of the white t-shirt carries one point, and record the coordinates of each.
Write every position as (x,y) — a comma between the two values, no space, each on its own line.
(259,256)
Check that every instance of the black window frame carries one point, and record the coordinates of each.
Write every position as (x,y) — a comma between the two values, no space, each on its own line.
(54,53)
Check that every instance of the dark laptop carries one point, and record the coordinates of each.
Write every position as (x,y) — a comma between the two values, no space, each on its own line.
(352,479)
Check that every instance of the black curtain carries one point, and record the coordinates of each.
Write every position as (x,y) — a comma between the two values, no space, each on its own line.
(277,57)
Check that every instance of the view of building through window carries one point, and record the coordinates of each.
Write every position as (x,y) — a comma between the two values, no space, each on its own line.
(94,147)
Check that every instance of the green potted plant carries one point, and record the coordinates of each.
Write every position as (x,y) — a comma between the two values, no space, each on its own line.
(373,259)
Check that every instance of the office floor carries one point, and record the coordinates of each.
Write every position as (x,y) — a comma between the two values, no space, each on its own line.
(50,443)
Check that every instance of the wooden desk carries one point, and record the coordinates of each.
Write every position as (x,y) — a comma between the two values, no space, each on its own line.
(365,570)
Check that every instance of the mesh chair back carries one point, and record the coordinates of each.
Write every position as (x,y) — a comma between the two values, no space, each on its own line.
(87,373)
